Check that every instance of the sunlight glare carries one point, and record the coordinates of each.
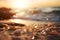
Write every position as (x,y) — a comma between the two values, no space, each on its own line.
(19,4)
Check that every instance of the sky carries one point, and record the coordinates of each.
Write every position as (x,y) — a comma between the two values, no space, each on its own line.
(32,3)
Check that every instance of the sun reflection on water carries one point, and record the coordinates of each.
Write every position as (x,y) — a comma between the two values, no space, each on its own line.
(16,20)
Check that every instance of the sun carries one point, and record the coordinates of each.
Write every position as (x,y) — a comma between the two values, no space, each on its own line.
(19,4)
